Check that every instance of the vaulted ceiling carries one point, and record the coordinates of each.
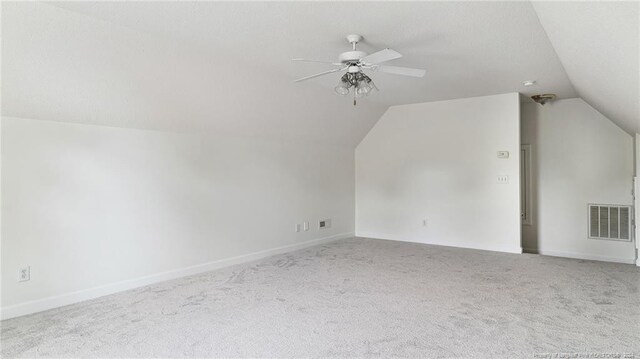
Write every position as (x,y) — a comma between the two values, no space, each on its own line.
(598,44)
(225,66)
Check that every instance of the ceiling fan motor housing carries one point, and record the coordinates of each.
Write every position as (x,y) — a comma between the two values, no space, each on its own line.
(352,56)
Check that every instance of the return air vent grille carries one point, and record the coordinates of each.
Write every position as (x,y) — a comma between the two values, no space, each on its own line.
(610,222)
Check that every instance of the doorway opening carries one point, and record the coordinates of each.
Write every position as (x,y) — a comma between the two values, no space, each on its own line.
(527,200)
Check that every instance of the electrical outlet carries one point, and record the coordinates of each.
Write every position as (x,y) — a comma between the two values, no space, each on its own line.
(503,179)
(325,223)
(24,274)
(306,226)
(503,154)
(298,227)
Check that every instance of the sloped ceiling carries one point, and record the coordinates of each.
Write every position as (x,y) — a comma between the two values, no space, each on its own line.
(224,66)
(63,66)
(599,45)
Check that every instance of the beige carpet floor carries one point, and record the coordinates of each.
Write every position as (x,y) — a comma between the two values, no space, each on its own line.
(356,298)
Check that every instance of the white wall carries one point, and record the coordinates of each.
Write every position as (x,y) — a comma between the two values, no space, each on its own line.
(637,146)
(580,157)
(438,161)
(88,206)
(637,192)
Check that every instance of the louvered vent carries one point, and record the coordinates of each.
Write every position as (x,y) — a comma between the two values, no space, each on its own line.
(610,222)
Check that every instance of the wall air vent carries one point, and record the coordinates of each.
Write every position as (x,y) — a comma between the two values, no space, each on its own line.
(611,222)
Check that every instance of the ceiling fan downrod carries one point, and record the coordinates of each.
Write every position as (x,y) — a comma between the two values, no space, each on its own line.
(354,40)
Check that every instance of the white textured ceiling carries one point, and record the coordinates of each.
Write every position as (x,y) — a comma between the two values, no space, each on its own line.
(599,45)
(62,66)
(224,66)
(469,49)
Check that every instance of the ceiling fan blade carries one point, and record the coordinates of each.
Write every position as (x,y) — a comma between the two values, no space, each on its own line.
(381,56)
(405,71)
(317,61)
(320,74)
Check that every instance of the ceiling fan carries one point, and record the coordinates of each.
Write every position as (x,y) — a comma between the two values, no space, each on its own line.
(354,62)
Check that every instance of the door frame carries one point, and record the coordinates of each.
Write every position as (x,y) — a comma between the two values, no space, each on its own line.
(636,211)
(526,205)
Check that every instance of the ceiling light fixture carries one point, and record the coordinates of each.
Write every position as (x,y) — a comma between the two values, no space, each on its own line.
(544,98)
(529,82)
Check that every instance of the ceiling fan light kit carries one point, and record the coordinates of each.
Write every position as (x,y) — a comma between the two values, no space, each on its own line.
(355,61)
(361,83)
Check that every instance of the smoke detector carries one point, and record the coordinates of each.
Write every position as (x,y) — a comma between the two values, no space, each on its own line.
(544,98)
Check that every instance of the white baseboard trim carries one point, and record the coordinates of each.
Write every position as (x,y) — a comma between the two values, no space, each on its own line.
(390,237)
(39,305)
(574,255)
